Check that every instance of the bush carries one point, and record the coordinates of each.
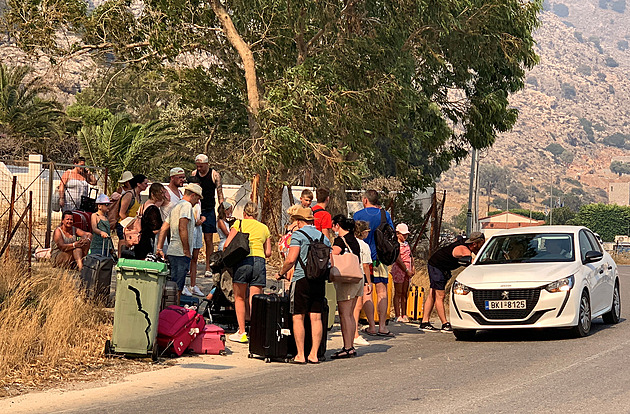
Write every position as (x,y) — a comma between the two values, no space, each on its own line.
(568,91)
(615,140)
(622,45)
(608,220)
(620,168)
(531,80)
(619,6)
(578,36)
(555,149)
(599,128)
(596,42)
(566,157)
(603,4)
(588,128)
(500,203)
(584,69)
(610,62)
(560,10)
(561,216)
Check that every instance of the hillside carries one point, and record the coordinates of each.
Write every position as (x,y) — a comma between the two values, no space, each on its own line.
(575,98)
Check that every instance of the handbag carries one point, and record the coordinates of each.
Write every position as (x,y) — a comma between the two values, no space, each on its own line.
(88,203)
(346,268)
(133,229)
(238,249)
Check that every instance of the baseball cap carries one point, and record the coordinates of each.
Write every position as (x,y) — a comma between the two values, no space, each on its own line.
(103,199)
(402,228)
(475,236)
(202,158)
(177,171)
(195,188)
(126,176)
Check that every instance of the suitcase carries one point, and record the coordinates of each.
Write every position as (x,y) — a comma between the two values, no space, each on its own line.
(81,220)
(169,295)
(308,338)
(96,275)
(390,296)
(177,328)
(188,300)
(270,327)
(211,341)
(415,303)
(331,297)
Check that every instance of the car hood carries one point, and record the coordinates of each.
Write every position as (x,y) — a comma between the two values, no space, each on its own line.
(516,274)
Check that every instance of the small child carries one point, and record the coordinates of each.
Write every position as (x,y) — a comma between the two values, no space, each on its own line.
(101,243)
(402,271)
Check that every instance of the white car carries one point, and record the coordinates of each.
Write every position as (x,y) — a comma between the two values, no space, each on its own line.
(536,277)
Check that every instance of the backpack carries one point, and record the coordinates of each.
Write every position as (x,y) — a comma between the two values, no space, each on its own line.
(387,246)
(317,264)
(133,229)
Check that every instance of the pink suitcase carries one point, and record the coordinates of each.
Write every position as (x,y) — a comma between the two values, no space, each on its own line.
(177,327)
(81,220)
(211,340)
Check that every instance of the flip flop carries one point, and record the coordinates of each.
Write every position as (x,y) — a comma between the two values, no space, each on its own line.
(365,331)
(387,334)
(293,361)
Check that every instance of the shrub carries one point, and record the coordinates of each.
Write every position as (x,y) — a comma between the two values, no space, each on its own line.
(601,76)
(610,62)
(615,140)
(608,220)
(620,168)
(531,80)
(555,149)
(603,4)
(596,42)
(578,36)
(568,91)
(588,128)
(566,157)
(619,6)
(560,10)
(500,203)
(622,45)
(584,69)
(599,127)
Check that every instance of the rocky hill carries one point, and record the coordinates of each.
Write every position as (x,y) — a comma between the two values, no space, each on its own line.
(577,97)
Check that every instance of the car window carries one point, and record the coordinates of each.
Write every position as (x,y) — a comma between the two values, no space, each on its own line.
(594,242)
(528,248)
(585,244)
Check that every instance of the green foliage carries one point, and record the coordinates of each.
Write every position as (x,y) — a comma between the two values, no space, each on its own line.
(599,127)
(531,80)
(566,157)
(561,216)
(560,10)
(119,145)
(83,115)
(620,168)
(584,69)
(603,4)
(596,42)
(578,36)
(492,176)
(608,220)
(616,140)
(619,6)
(568,91)
(31,121)
(588,128)
(555,149)
(501,203)
(622,45)
(460,221)
(610,62)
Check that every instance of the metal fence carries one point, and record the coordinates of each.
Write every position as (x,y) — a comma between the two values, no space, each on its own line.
(29,202)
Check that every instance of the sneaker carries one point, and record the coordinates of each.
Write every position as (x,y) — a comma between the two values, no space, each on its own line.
(208,273)
(360,341)
(446,328)
(196,291)
(427,327)
(238,337)
(186,291)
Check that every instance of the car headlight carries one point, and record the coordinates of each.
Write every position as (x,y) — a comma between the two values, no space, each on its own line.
(562,285)
(460,288)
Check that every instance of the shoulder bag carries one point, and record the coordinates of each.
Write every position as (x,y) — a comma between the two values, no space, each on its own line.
(346,268)
(238,249)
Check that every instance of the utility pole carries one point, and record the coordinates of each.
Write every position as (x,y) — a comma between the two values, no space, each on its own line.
(471,192)
(551,203)
(531,198)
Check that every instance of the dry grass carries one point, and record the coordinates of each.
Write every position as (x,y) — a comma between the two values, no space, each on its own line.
(621,258)
(48,331)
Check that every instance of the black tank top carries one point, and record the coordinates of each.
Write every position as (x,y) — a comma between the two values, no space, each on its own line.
(443,258)
(208,189)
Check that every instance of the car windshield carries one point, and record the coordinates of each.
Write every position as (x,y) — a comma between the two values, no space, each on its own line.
(528,248)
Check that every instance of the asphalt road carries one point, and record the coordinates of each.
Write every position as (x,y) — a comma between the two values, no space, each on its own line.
(500,372)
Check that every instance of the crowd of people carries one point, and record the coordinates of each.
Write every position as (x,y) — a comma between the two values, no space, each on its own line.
(179,219)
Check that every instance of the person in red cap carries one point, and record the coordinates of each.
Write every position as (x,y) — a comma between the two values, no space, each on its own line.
(402,272)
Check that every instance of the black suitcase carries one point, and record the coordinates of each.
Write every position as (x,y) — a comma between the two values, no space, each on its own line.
(308,338)
(169,295)
(188,300)
(270,327)
(96,276)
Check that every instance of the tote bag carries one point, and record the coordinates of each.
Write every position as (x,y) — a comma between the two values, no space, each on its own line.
(347,268)
(238,249)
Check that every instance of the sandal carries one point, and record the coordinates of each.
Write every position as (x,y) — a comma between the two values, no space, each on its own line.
(344,353)
(367,332)
(387,334)
(293,361)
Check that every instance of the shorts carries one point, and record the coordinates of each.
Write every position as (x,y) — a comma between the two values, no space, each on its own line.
(251,271)
(210,225)
(348,291)
(380,275)
(197,238)
(119,231)
(399,275)
(307,296)
(180,265)
(438,278)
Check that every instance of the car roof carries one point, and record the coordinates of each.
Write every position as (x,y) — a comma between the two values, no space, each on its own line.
(540,229)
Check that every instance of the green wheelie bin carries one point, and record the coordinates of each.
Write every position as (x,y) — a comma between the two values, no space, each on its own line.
(139,286)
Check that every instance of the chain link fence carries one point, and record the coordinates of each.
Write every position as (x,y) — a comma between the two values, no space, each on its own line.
(30,193)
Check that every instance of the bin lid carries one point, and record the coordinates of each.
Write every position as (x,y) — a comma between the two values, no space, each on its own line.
(132,264)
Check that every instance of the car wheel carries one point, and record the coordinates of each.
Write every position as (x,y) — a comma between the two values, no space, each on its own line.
(584,316)
(615,310)
(464,334)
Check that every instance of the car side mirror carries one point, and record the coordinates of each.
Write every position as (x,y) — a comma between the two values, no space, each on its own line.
(593,256)
(465,260)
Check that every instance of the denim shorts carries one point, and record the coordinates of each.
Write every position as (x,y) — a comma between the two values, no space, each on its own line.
(210,225)
(180,265)
(380,273)
(251,271)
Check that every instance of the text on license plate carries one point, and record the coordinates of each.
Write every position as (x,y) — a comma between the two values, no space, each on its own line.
(505,304)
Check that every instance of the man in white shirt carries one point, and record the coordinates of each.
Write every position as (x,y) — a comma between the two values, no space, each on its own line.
(177,181)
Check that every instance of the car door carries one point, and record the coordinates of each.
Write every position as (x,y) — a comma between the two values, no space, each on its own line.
(608,282)
(594,273)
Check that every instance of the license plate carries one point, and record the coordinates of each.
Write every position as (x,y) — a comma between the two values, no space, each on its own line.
(505,304)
